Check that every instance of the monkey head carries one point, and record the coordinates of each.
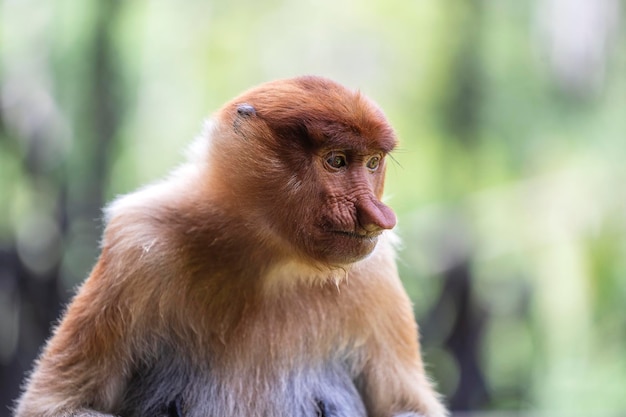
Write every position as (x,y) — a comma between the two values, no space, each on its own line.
(306,159)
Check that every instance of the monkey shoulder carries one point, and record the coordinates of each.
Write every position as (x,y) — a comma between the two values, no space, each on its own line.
(158,218)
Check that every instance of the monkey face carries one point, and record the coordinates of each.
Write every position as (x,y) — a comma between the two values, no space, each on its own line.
(350,216)
(334,212)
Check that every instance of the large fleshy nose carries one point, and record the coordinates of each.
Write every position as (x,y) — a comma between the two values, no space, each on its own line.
(374,216)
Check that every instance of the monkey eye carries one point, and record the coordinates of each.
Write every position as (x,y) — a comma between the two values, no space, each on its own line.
(373,163)
(336,160)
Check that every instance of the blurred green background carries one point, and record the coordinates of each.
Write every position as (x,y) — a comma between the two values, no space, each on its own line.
(509,183)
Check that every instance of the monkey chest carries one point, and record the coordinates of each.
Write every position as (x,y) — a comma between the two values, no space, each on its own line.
(173,388)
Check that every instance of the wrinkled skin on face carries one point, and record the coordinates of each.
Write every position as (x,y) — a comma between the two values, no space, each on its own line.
(352,216)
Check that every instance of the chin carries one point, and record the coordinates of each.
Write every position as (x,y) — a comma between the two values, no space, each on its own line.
(346,249)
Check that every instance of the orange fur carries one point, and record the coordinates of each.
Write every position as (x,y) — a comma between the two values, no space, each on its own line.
(254,260)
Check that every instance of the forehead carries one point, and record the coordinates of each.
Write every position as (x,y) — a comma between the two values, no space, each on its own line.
(321,113)
(358,131)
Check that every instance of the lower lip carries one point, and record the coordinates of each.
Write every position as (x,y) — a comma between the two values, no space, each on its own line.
(354,235)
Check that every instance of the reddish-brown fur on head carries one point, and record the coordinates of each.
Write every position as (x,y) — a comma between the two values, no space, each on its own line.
(317,112)
(283,132)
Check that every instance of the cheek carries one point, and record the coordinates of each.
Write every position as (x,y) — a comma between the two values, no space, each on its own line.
(340,216)
(297,209)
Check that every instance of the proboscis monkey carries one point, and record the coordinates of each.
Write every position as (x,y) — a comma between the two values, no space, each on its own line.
(258,279)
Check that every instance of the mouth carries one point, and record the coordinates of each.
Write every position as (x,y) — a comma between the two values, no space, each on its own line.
(339,246)
(360,235)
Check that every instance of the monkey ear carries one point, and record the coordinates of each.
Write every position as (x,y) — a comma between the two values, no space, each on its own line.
(246,110)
